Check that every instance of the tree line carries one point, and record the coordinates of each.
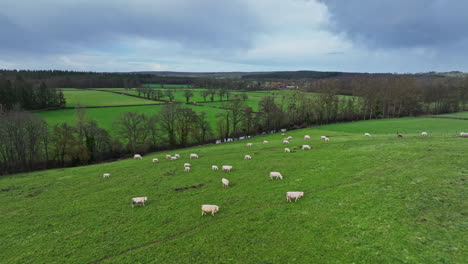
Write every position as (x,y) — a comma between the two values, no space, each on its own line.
(28,143)
(28,95)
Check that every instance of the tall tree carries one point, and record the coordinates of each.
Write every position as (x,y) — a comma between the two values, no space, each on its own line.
(130,126)
(168,116)
(187,95)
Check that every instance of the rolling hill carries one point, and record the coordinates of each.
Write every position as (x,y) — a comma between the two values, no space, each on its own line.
(378,199)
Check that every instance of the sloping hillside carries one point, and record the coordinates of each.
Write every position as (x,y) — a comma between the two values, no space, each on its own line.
(378,199)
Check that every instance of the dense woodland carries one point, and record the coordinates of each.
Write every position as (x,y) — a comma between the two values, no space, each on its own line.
(28,143)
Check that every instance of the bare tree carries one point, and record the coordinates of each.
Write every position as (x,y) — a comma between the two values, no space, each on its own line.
(131,127)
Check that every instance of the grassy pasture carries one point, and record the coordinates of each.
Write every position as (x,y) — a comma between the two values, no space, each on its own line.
(105,117)
(406,125)
(457,115)
(90,98)
(378,199)
(172,86)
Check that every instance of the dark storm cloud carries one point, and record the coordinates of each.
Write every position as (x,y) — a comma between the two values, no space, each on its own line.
(402,23)
(54,26)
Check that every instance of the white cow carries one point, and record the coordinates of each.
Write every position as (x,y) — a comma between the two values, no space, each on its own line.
(247,157)
(285,142)
(214,167)
(226,168)
(225,182)
(207,208)
(249,144)
(187,169)
(424,134)
(106,175)
(155,160)
(367,134)
(276,175)
(193,155)
(137,156)
(187,165)
(463,134)
(174,158)
(265,142)
(289,138)
(323,137)
(287,150)
(306,137)
(327,139)
(282,134)
(177,155)
(293,195)
(139,200)
(304,147)
(168,156)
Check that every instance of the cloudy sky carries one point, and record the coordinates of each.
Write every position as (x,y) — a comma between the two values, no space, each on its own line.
(235,35)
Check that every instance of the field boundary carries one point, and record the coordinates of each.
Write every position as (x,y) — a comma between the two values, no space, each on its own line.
(448,117)
(197,227)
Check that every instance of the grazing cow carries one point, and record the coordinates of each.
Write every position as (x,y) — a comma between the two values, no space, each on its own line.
(207,208)
(399,135)
(289,138)
(225,182)
(249,144)
(187,165)
(282,134)
(177,155)
(323,137)
(106,175)
(155,160)
(327,139)
(168,156)
(265,141)
(304,147)
(293,195)
(174,158)
(187,169)
(139,200)
(195,156)
(247,157)
(226,168)
(276,175)
(285,142)
(306,137)
(367,134)
(287,150)
(424,134)
(137,156)
(463,134)
(214,167)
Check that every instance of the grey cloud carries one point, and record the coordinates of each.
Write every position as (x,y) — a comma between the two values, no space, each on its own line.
(60,26)
(402,23)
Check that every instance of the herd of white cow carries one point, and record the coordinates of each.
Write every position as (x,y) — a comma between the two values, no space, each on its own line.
(212,209)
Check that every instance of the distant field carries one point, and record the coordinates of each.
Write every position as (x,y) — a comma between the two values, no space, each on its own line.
(458,114)
(105,117)
(379,199)
(166,85)
(252,101)
(406,125)
(75,97)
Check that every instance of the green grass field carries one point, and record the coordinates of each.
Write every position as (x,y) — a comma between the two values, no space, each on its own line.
(457,115)
(378,199)
(252,101)
(152,85)
(105,117)
(90,98)
(406,125)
